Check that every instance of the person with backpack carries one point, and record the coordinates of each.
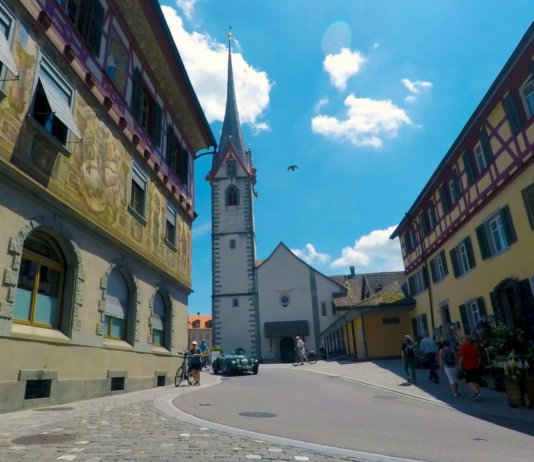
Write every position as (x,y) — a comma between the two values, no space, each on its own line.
(430,349)
(408,353)
(448,360)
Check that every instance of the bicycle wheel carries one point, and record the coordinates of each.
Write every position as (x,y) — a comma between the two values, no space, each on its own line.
(312,358)
(296,361)
(207,364)
(190,378)
(179,376)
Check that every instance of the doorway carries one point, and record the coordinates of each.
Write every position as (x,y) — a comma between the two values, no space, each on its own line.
(287,350)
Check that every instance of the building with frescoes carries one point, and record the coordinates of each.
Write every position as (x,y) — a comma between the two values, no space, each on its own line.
(467,240)
(99,130)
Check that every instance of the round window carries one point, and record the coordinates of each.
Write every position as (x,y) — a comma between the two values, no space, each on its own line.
(284,300)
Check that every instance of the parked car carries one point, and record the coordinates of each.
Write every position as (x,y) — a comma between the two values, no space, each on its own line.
(236,362)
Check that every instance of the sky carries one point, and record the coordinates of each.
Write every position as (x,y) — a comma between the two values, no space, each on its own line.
(365,97)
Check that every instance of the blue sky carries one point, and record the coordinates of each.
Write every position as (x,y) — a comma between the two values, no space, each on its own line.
(366,97)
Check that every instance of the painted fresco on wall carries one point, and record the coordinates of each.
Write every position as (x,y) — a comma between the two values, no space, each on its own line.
(117,61)
(95,179)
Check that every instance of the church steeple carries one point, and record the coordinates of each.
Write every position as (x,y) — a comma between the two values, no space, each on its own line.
(231,131)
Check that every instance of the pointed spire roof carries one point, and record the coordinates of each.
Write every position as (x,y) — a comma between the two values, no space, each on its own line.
(231,131)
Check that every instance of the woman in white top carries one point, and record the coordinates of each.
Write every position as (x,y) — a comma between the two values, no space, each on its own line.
(449,361)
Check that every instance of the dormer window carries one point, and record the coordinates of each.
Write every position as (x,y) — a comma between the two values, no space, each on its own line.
(196,324)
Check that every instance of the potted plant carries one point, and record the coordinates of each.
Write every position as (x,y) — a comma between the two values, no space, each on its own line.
(512,381)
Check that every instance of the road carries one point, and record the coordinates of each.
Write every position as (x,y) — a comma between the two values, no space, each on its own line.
(294,403)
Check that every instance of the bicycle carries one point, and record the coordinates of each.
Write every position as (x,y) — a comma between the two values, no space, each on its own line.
(206,363)
(309,357)
(183,372)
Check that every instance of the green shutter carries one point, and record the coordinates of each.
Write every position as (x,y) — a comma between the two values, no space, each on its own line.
(512,113)
(411,286)
(425,276)
(425,323)
(481,306)
(465,320)
(454,261)
(95,27)
(486,145)
(483,241)
(467,157)
(445,198)
(433,271)
(158,119)
(414,327)
(470,253)
(444,261)
(509,230)
(528,199)
(137,92)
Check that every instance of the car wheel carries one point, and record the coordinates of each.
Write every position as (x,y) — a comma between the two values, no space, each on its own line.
(215,368)
(255,370)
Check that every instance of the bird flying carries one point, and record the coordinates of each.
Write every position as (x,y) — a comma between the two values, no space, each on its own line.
(292,168)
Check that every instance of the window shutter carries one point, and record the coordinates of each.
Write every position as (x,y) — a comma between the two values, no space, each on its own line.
(425,276)
(414,327)
(444,261)
(467,157)
(407,242)
(511,236)
(528,199)
(486,145)
(470,254)
(483,241)
(425,323)
(512,113)
(454,261)
(158,118)
(433,271)
(411,285)
(170,152)
(481,307)
(137,92)
(465,320)
(95,27)
(456,182)
(445,198)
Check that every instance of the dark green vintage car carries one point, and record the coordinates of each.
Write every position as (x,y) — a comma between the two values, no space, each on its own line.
(236,362)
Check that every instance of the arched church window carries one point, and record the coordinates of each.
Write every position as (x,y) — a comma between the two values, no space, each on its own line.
(232,195)
(40,284)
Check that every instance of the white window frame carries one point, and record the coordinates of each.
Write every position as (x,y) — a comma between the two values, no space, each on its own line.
(140,178)
(497,235)
(440,268)
(463,258)
(419,282)
(171,216)
(454,190)
(527,96)
(480,157)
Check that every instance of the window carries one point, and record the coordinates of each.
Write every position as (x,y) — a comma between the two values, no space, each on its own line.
(467,158)
(454,187)
(445,197)
(177,157)
(116,310)
(171,149)
(40,285)
(428,218)
(284,300)
(235,302)
(418,282)
(208,324)
(232,244)
(528,199)
(231,168)
(145,108)
(527,94)
(232,195)
(462,258)
(323,308)
(512,113)
(159,321)
(7,25)
(196,324)
(170,225)
(438,267)
(496,234)
(138,191)
(87,16)
(471,313)
(53,102)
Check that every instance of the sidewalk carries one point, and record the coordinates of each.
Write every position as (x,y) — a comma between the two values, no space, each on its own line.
(389,374)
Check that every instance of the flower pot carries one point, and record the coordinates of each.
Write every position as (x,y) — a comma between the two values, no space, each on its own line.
(514,394)
(529,385)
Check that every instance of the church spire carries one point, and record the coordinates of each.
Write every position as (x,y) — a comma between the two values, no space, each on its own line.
(231,131)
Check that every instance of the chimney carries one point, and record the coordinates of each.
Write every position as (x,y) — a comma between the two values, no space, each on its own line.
(352,273)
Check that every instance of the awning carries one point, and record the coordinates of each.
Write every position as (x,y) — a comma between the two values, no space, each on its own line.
(5,55)
(286,329)
(59,104)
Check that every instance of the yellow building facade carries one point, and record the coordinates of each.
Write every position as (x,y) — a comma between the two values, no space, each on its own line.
(97,143)
(468,239)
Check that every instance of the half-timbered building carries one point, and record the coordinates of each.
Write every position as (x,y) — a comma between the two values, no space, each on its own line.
(467,240)
(99,129)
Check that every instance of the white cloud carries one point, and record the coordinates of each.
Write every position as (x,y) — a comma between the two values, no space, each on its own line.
(188,7)
(310,255)
(342,66)
(373,252)
(202,229)
(367,122)
(415,87)
(206,61)
(320,104)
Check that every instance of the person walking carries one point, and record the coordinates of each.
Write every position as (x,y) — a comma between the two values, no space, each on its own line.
(195,362)
(301,351)
(469,363)
(203,347)
(408,351)
(430,349)
(448,361)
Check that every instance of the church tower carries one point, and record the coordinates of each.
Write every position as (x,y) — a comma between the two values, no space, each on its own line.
(234,288)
